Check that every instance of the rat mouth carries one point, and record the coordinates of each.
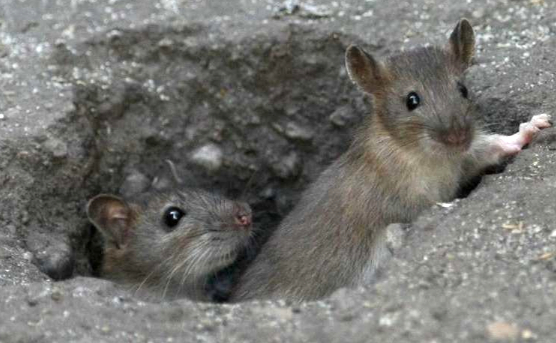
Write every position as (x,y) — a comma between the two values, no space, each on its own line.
(222,259)
(453,141)
(230,241)
(459,147)
(214,260)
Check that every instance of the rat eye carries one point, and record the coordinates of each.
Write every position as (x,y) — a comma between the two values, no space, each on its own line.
(412,101)
(172,216)
(462,89)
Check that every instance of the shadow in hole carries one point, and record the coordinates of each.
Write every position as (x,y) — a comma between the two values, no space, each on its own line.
(468,187)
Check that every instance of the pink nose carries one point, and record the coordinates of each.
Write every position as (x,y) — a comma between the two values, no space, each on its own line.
(244,220)
(456,138)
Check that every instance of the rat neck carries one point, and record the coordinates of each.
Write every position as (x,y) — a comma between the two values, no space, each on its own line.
(415,176)
(375,145)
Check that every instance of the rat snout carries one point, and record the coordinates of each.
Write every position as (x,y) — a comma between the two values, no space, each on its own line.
(460,138)
(243,220)
(456,138)
(458,135)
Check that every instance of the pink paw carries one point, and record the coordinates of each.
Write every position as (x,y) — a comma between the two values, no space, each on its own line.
(528,131)
(511,145)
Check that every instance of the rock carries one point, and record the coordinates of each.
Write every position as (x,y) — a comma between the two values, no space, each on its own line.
(502,331)
(56,147)
(295,131)
(135,183)
(342,116)
(395,234)
(208,156)
(288,167)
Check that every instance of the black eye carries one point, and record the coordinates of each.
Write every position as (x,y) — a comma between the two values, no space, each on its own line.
(172,216)
(412,101)
(462,89)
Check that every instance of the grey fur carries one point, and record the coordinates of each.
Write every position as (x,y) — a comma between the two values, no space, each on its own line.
(396,167)
(171,263)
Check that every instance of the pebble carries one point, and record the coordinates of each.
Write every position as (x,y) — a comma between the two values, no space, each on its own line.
(395,234)
(295,131)
(57,148)
(288,166)
(208,156)
(503,331)
(135,183)
(341,116)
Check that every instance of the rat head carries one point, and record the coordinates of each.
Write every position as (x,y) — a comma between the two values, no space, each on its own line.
(172,238)
(419,97)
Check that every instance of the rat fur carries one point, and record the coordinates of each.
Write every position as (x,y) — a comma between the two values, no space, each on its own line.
(416,149)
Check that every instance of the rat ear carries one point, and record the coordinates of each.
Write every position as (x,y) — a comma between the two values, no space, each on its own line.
(112,216)
(366,72)
(462,43)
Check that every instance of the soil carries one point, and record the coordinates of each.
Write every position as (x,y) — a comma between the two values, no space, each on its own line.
(251,99)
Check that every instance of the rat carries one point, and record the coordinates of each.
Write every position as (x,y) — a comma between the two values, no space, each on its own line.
(170,242)
(418,147)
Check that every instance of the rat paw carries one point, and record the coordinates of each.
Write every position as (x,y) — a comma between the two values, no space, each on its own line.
(528,131)
(541,121)
(512,145)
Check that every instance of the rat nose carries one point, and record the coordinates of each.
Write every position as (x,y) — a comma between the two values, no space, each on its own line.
(243,220)
(456,138)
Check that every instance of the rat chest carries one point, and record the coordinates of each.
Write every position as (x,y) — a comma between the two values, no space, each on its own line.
(431,183)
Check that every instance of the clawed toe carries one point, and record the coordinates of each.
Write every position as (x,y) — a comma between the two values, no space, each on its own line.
(542,120)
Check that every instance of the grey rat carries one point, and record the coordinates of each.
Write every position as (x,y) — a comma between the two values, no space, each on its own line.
(418,147)
(169,243)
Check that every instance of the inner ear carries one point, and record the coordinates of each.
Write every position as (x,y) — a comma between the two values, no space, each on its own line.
(365,71)
(113,217)
(462,44)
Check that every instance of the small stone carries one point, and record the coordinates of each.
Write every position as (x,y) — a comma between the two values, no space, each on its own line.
(56,147)
(288,166)
(165,43)
(387,320)
(395,235)
(32,302)
(295,131)
(527,334)
(135,183)
(114,35)
(503,331)
(268,193)
(162,183)
(11,229)
(341,116)
(25,217)
(292,111)
(208,156)
(56,295)
(478,13)
(27,256)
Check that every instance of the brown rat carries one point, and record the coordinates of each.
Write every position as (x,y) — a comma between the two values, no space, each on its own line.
(416,149)
(169,243)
